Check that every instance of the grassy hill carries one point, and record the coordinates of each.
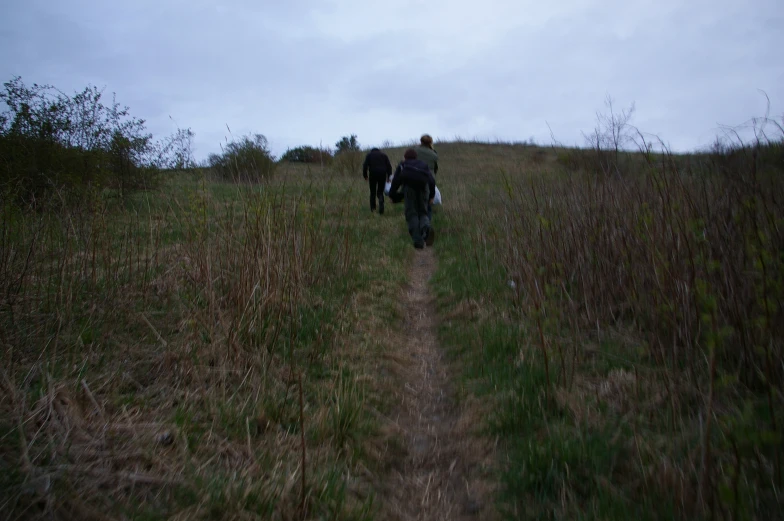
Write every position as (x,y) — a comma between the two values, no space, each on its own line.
(210,350)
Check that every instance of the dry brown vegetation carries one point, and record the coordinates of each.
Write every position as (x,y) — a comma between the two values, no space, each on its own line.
(214,351)
(193,355)
(626,312)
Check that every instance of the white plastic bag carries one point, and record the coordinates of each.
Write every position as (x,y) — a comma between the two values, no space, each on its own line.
(437,197)
(387,187)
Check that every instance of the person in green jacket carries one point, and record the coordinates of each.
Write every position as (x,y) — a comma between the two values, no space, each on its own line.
(428,155)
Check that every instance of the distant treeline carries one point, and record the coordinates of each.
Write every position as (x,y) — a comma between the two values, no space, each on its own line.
(57,148)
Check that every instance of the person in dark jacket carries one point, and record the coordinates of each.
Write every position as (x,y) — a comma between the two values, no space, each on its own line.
(380,169)
(419,186)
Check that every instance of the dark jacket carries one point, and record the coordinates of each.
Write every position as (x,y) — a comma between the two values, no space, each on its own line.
(413,173)
(378,163)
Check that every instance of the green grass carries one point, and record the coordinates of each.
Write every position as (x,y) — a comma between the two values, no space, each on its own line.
(544,454)
(600,322)
(193,310)
(593,422)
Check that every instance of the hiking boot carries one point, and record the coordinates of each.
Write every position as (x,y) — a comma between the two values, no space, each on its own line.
(430,236)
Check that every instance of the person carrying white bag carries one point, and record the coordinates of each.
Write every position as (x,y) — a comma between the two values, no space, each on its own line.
(414,183)
(380,169)
(436,197)
(427,153)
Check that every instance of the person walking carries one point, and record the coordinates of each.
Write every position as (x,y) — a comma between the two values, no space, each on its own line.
(377,170)
(418,185)
(427,154)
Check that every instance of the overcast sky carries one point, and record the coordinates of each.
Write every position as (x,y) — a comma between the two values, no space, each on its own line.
(305,72)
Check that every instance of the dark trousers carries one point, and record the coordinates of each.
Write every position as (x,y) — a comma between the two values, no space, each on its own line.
(377,182)
(416,214)
(430,206)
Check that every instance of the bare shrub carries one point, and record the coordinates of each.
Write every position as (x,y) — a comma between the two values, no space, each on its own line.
(681,258)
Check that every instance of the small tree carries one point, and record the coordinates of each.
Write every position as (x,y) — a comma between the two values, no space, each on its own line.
(176,151)
(348,155)
(613,132)
(347,144)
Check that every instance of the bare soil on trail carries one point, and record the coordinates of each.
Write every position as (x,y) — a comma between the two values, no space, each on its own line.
(440,472)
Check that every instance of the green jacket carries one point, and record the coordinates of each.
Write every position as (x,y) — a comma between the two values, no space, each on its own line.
(429,156)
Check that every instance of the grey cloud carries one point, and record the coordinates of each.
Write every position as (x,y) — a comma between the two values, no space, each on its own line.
(686,72)
(303,72)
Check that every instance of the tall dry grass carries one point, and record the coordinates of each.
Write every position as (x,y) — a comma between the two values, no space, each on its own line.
(161,360)
(678,265)
(622,317)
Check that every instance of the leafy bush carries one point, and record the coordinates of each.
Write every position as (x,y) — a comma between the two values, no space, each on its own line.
(307,154)
(177,150)
(51,142)
(246,160)
(347,144)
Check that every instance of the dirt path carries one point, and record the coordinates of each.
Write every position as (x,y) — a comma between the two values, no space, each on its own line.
(439,472)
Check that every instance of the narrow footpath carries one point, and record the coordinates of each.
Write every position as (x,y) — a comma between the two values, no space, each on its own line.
(441,469)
